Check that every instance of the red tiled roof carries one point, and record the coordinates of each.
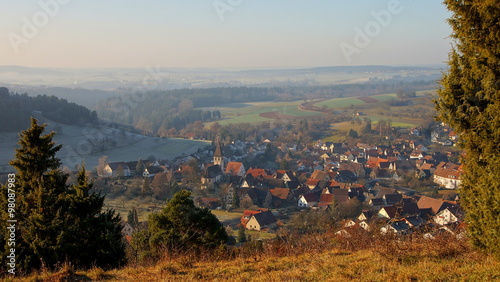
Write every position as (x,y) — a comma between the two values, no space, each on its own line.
(256,172)
(233,168)
(449,170)
(326,198)
(281,193)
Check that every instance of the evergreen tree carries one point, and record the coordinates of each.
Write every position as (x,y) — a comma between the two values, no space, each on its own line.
(146,186)
(352,133)
(133,218)
(139,168)
(94,237)
(242,238)
(181,226)
(55,222)
(469,101)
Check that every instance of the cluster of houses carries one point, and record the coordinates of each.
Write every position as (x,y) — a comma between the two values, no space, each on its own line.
(328,176)
(444,135)
(327,173)
(126,169)
(393,212)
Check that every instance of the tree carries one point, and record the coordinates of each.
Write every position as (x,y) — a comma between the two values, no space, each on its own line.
(183,227)
(133,218)
(242,238)
(93,236)
(139,167)
(146,187)
(469,101)
(352,133)
(56,222)
(368,127)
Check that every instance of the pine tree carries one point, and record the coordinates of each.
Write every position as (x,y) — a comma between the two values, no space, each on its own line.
(56,223)
(181,226)
(133,218)
(98,234)
(242,238)
(139,168)
(146,186)
(469,101)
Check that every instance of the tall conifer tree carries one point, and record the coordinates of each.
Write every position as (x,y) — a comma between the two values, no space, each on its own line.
(56,223)
(469,101)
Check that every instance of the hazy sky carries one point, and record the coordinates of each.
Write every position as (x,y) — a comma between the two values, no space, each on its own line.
(222,33)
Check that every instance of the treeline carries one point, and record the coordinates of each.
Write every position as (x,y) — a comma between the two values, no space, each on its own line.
(162,112)
(16,110)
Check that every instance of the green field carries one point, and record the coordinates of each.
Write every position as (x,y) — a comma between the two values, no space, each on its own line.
(250,112)
(340,103)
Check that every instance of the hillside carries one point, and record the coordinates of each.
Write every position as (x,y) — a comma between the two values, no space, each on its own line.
(89,143)
(16,110)
(334,264)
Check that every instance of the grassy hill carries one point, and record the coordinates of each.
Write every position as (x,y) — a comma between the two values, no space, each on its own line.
(79,143)
(314,258)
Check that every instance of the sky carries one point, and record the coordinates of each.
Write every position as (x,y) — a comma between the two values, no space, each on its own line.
(222,33)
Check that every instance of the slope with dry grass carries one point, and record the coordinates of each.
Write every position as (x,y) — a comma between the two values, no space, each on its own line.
(312,258)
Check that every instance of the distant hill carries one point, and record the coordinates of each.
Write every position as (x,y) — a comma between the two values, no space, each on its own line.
(341,69)
(16,110)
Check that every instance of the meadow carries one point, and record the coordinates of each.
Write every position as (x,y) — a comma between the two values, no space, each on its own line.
(256,112)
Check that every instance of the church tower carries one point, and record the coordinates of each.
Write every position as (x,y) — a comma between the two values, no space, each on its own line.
(218,158)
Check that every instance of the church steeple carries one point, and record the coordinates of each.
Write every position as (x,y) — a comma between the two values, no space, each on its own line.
(218,158)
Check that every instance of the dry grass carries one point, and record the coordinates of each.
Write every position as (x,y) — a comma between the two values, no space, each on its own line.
(361,257)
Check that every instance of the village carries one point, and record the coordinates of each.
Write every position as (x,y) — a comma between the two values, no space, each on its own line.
(365,185)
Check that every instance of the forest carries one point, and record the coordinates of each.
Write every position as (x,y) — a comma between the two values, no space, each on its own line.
(16,110)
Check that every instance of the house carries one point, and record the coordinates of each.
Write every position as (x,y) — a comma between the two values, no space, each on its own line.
(391,199)
(448,175)
(280,197)
(228,195)
(235,169)
(307,200)
(448,215)
(349,223)
(364,225)
(255,195)
(434,205)
(325,199)
(257,172)
(285,175)
(320,175)
(387,212)
(116,169)
(127,230)
(212,174)
(397,226)
(413,221)
(365,215)
(247,214)
(314,183)
(261,220)
(340,195)
(151,171)
(210,203)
